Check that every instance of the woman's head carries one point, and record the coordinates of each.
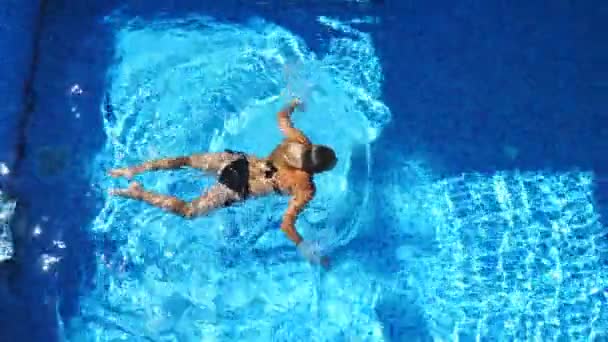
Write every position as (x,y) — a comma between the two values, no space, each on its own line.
(319,158)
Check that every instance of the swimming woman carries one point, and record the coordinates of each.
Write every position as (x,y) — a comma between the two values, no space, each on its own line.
(288,170)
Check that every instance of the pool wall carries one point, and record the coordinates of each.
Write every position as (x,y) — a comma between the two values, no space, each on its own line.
(48,158)
(19,30)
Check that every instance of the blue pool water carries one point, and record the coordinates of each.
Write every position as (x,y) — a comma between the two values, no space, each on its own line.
(469,203)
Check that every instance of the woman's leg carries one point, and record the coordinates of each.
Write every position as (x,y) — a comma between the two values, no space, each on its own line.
(151,165)
(216,197)
(209,162)
(212,162)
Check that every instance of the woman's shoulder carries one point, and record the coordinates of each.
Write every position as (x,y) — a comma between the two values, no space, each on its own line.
(297,178)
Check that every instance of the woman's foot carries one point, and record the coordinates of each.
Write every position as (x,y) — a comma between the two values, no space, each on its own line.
(133,190)
(126,172)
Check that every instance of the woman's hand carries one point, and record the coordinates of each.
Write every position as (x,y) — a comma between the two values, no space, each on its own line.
(297,103)
(312,252)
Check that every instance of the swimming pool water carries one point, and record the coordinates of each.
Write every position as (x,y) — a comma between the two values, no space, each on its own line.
(207,86)
(421,250)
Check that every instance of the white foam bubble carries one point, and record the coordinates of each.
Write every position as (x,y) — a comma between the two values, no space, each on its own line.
(4,170)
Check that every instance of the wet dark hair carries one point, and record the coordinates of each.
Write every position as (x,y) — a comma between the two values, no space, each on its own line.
(319,158)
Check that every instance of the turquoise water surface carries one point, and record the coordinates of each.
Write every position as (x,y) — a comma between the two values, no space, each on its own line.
(186,86)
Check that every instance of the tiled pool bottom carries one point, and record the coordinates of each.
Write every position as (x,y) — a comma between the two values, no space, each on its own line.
(521,256)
